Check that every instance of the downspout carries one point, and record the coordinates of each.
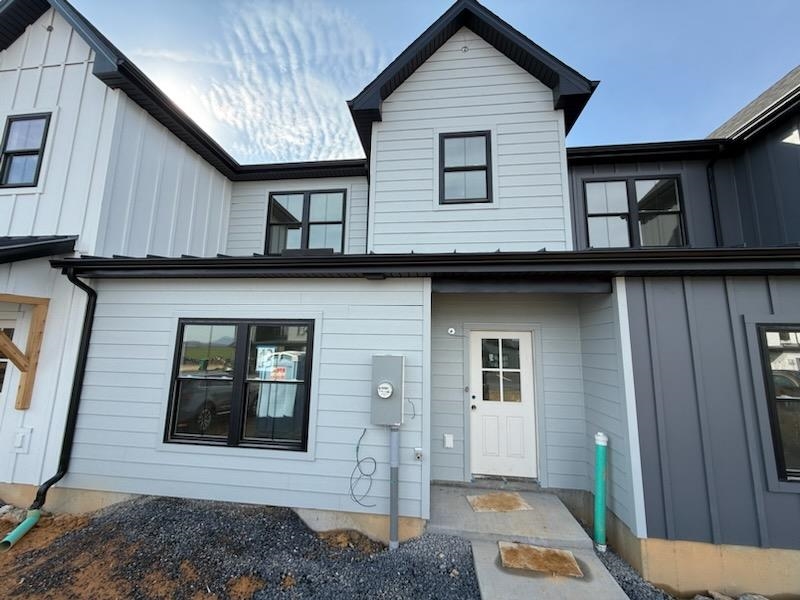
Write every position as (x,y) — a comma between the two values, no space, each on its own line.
(34,510)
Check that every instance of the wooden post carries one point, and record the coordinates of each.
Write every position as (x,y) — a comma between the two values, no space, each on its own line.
(26,362)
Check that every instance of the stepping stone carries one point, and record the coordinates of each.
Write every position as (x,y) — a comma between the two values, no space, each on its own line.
(498,502)
(537,558)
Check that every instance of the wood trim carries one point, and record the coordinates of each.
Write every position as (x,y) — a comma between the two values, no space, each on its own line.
(16,299)
(13,353)
(32,348)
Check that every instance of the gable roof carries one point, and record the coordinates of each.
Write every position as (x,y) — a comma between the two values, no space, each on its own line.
(117,71)
(770,105)
(571,90)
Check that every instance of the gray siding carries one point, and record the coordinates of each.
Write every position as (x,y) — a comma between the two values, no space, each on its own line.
(247,226)
(118,443)
(604,398)
(469,91)
(757,190)
(697,392)
(697,205)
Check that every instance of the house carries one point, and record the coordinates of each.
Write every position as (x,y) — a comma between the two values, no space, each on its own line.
(194,327)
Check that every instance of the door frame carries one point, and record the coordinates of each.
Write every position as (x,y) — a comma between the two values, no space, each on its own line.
(535,329)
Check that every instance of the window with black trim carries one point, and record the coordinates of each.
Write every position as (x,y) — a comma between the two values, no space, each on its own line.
(241,383)
(780,353)
(465,167)
(23,146)
(634,212)
(306,221)
(3,358)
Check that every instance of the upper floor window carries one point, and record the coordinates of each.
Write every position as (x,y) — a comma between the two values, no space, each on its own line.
(780,350)
(465,171)
(22,150)
(306,220)
(241,383)
(634,213)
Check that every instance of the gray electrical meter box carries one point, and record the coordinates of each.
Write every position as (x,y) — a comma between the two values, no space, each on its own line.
(388,379)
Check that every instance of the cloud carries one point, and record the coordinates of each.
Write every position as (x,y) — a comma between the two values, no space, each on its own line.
(274,86)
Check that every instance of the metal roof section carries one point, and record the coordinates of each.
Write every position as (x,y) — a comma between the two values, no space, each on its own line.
(677,150)
(780,98)
(560,264)
(571,90)
(16,248)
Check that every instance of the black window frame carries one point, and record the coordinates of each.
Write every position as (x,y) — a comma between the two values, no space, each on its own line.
(6,155)
(236,421)
(633,212)
(306,223)
(487,134)
(766,370)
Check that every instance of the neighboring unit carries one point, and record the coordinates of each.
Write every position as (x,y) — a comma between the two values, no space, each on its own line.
(194,327)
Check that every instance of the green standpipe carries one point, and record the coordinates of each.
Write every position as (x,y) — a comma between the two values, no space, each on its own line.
(14,536)
(600,446)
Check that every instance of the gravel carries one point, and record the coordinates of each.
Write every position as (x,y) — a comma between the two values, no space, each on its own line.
(629,580)
(177,548)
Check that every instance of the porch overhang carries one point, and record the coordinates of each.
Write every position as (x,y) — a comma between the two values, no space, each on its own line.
(15,248)
(561,265)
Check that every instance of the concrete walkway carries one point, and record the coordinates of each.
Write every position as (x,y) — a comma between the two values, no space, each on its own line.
(548,524)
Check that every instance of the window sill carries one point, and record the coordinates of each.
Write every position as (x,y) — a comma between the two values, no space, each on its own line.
(208,448)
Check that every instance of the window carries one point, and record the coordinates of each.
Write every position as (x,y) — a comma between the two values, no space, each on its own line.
(500,370)
(306,221)
(632,212)
(465,173)
(3,358)
(23,145)
(240,383)
(780,351)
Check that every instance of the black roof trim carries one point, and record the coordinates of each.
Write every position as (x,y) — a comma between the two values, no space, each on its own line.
(16,248)
(677,150)
(117,71)
(571,90)
(593,263)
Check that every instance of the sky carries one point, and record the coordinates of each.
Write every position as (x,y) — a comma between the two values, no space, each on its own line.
(268,79)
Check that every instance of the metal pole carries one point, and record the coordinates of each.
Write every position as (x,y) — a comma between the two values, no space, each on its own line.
(394,482)
(601,446)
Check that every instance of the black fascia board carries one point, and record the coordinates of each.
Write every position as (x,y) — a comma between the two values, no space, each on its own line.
(704,149)
(593,263)
(13,249)
(571,90)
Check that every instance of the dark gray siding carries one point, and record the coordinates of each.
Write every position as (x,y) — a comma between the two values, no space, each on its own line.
(695,189)
(758,190)
(697,394)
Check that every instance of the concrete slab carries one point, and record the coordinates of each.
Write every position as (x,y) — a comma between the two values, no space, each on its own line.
(548,523)
(498,583)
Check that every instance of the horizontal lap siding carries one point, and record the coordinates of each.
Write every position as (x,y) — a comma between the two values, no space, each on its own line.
(118,443)
(457,91)
(604,395)
(161,197)
(702,452)
(248,214)
(51,71)
(562,454)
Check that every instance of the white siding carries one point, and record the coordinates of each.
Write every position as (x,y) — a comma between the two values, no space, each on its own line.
(559,387)
(46,416)
(248,218)
(604,393)
(51,71)
(161,197)
(467,91)
(118,444)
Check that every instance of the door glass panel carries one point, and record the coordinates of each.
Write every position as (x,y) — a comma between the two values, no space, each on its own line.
(491,353)
(511,354)
(491,386)
(512,392)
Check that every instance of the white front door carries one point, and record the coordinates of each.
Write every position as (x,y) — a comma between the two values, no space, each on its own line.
(502,424)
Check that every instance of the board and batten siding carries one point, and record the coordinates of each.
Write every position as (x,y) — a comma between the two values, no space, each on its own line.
(469,91)
(161,197)
(561,418)
(118,442)
(51,72)
(706,448)
(247,226)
